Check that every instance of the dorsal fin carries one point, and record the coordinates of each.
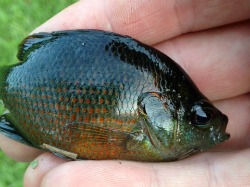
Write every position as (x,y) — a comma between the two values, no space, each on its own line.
(34,41)
(31,43)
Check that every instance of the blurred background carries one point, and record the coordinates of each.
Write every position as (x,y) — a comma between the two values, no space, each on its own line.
(17,19)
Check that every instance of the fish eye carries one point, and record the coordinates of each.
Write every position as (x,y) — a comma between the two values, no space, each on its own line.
(202,114)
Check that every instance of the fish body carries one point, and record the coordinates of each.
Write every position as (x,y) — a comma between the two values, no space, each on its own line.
(101,95)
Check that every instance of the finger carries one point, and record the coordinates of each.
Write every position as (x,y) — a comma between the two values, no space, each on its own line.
(18,151)
(148,21)
(237,109)
(217,60)
(45,162)
(206,169)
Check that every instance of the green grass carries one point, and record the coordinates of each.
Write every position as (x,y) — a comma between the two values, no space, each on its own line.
(11,172)
(17,20)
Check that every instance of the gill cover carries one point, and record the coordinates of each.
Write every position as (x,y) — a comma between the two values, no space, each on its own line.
(158,119)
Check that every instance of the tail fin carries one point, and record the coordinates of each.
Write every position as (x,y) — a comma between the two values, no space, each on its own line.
(7,129)
(4,71)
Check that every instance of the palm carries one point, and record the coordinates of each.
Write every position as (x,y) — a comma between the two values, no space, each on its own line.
(217,59)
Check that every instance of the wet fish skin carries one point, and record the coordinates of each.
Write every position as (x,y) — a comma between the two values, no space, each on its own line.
(102,95)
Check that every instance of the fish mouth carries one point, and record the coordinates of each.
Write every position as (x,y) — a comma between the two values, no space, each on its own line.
(219,134)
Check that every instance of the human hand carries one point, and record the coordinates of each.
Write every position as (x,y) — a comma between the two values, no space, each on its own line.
(214,54)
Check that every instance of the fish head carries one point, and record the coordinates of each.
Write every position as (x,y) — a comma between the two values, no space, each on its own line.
(207,118)
(178,131)
(202,125)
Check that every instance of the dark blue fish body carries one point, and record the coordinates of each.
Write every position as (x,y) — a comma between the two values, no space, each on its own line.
(100,95)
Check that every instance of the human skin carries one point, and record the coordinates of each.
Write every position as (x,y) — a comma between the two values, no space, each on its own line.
(211,41)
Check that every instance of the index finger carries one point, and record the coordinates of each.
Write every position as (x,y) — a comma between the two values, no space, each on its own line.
(148,21)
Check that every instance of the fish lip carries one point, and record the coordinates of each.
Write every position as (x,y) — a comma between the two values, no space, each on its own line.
(224,134)
(219,135)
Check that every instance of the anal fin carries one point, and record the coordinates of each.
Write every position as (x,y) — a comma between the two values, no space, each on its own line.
(7,129)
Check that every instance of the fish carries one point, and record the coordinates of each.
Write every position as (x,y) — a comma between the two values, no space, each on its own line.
(92,94)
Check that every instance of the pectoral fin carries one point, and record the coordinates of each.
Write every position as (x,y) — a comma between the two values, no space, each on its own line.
(98,134)
(97,142)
